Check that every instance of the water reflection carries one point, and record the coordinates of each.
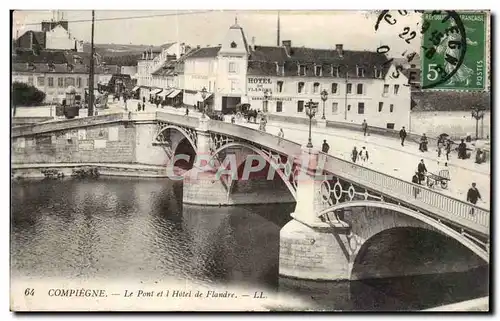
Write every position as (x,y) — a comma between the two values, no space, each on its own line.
(121,228)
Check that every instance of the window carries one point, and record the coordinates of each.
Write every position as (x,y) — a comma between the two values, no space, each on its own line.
(300,87)
(280,70)
(360,71)
(302,70)
(335,108)
(40,81)
(396,89)
(380,106)
(349,88)
(348,107)
(334,88)
(60,82)
(413,66)
(386,89)
(30,80)
(390,125)
(69,81)
(51,82)
(391,108)
(335,71)
(234,85)
(359,89)
(316,87)
(279,86)
(279,106)
(378,73)
(318,71)
(232,67)
(300,106)
(79,82)
(361,108)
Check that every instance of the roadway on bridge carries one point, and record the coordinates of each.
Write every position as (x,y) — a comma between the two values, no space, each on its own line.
(386,153)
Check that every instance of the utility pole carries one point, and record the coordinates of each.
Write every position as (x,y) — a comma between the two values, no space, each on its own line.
(345,103)
(91,77)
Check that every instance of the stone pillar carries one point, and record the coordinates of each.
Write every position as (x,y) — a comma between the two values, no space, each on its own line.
(309,248)
(203,137)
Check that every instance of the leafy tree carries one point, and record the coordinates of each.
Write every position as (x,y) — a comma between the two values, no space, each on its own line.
(26,95)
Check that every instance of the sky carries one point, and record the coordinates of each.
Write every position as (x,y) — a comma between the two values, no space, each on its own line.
(316,29)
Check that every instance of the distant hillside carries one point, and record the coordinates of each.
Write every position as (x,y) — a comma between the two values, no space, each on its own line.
(449,100)
(116,49)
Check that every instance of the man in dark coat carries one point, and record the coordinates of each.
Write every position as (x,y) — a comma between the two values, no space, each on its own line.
(421,169)
(415,180)
(462,150)
(354,155)
(402,135)
(472,196)
(364,125)
(325,148)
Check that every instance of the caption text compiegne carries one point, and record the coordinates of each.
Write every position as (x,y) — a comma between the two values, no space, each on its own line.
(144,293)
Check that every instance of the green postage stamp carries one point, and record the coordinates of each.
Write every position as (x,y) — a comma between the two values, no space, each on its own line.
(454,50)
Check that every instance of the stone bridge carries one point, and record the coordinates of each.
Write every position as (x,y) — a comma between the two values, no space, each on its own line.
(340,206)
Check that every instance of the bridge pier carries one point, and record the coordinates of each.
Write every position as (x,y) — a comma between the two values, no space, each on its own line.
(309,248)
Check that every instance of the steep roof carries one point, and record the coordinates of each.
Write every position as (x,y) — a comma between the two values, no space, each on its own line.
(43,56)
(206,52)
(62,68)
(263,61)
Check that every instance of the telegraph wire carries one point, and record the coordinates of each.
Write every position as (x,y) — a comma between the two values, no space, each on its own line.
(133,17)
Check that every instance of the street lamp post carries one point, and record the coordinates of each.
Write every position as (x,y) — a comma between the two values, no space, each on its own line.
(267,95)
(311,109)
(477,113)
(324,97)
(203,96)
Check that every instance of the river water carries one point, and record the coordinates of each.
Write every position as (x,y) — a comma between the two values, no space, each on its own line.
(133,228)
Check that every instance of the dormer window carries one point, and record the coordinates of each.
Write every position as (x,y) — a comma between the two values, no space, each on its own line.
(360,71)
(302,70)
(51,67)
(318,71)
(70,67)
(335,71)
(378,72)
(31,66)
(280,69)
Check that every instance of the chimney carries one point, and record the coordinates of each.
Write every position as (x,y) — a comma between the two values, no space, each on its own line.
(198,46)
(253,43)
(340,49)
(288,46)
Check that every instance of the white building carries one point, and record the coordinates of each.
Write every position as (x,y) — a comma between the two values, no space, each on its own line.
(359,84)
(59,38)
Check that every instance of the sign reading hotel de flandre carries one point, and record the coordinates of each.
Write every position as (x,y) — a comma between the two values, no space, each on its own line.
(257,85)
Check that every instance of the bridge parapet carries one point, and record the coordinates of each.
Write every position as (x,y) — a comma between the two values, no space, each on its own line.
(431,202)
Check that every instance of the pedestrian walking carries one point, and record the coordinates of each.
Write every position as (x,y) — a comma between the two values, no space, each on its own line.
(363,155)
(143,106)
(402,135)
(415,179)
(354,155)
(422,170)
(281,135)
(364,125)
(187,111)
(472,196)
(423,143)
(448,149)
(138,106)
(440,145)
(325,147)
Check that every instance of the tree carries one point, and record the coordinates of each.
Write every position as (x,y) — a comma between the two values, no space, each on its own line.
(26,95)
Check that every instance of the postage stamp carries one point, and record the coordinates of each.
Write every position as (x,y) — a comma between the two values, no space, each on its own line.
(196,160)
(454,55)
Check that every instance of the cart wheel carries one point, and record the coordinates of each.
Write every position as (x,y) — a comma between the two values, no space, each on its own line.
(444,184)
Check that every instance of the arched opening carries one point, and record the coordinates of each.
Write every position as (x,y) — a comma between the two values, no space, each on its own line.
(184,148)
(264,185)
(416,268)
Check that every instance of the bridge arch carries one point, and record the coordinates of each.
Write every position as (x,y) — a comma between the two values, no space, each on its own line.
(363,229)
(271,161)
(190,137)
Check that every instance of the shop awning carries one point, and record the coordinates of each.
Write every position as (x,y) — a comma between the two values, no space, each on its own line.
(200,98)
(135,88)
(165,93)
(174,93)
(157,91)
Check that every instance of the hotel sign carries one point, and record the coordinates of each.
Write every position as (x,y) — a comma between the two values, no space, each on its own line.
(259,84)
